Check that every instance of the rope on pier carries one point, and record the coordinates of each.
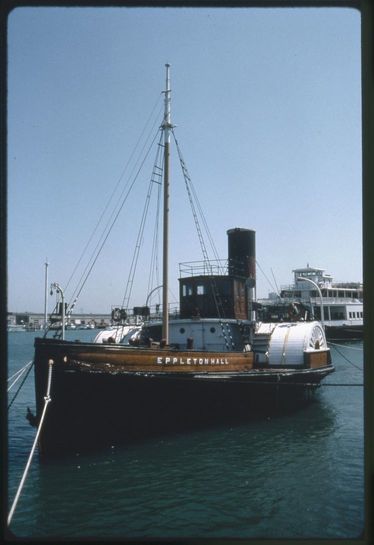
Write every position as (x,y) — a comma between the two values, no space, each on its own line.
(18,374)
(47,399)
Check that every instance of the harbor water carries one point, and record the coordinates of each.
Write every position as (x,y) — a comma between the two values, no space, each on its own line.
(299,475)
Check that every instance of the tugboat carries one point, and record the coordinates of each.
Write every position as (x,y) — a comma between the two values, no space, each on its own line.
(213,362)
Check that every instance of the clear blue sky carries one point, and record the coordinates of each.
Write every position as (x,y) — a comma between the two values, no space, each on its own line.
(267,104)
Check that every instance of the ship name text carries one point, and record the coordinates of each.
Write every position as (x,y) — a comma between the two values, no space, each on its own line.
(166,360)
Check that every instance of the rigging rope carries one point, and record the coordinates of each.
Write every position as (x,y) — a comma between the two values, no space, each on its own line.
(99,246)
(226,331)
(47,399)
(275,282)
(270,284)
(194,199)
(155,172)
(75,295)
(154,269)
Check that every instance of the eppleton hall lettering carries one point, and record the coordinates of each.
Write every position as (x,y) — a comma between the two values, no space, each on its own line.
(166,360)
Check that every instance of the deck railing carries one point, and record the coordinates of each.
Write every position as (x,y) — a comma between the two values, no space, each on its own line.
(203,268)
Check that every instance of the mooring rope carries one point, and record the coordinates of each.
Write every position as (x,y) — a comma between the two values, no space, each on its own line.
(19,373)
(47,399)
(20,386)
(346,346)
(346,359)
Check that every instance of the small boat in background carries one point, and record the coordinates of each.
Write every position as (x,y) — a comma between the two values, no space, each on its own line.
(16,327)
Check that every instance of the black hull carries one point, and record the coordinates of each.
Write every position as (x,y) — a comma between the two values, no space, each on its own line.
(91,409)
(344,333)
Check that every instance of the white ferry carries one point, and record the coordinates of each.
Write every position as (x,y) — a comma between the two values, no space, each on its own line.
(314,296)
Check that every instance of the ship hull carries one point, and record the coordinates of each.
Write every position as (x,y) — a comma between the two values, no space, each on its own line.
(99,398)
(344,332)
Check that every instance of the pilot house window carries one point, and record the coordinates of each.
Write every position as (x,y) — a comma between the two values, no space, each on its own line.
(187,290)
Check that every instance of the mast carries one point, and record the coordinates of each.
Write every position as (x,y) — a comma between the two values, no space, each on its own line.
(45,293)
(166,127)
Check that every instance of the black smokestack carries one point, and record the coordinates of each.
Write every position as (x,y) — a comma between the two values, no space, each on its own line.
(242,254)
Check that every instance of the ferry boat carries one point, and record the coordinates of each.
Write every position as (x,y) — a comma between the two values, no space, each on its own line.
(212,362)
(315,296)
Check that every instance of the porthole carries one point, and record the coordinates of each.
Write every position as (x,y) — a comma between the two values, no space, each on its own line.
(212,329)
(182,330)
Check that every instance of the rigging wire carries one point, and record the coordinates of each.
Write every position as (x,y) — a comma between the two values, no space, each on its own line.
(275,282)
(95,255)
(194,199)
(128,186)
(187,179)
(226,332)
(154,268)
(155,172)
(270,284)
(203,219)
(114,191)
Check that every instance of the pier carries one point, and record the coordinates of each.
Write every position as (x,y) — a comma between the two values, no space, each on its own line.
(33,321)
